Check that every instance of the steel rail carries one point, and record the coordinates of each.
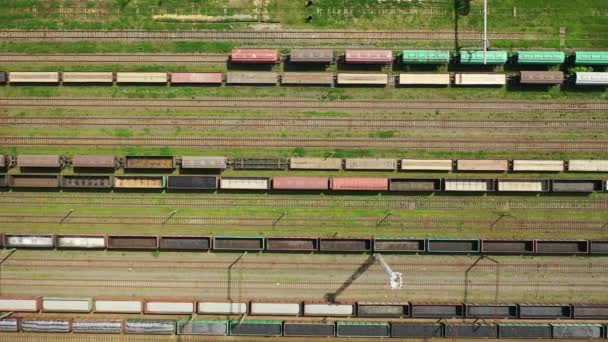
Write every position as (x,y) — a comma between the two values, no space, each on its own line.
(369,122)
(338,36)
(203,200)
(305,104)
(302,222)
(114,58)
(494,143)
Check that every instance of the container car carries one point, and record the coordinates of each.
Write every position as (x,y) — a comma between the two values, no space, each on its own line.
(382,309)
(141,77)
(149,162)
(202,327)
(238,243)
(541,57)
(96,326)
(581,165)
(197,78)
(328,309)
(591,58)
(254,56)
(33,181)
(399,245)
(122,306)
(308,78)
(256,328)
(132,242)
(523,185)
(39,161)
(471,330)
(189,162)
(300,183)
(189,243)
(489,311)
(591,78)
(275,309)
(362,329)
(562,246)
(87,77)
(426,164)
(370,164)
(245,183)
(222,308)
(309,329)
(590,311)
(416,330)
(491,246)
(315,163)
(425,57)
(494,165)
(345,245)
(538,165)
(477,57)
(362,79)
(598,247)
(478,79)
(94,161)
(576,185)
(78,181)
(169,307)
(243,77)
(192,182)
(292,244)
(259,163)
(150,326)
(439,79)
(140,182)
(81,241)
(33,77)
(28,241)
(438,309)
(452,245)
(415,184)
(577,330)
(52,304)
(544,311)
(359,183)
(524,330)
(325,56)
(368,57)
(541,77)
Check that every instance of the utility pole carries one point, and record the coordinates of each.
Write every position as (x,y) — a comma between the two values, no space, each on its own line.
(485,31)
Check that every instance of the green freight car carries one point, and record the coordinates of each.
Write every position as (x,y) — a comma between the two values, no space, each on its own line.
(425,57)
(477,57)
(541,57)
(591,58)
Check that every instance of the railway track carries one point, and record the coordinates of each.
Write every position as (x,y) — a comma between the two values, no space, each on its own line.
(275,265)
(496,143)
(114,58)
(204,200)
(304,104)
(312,36)
(277,122)
(573,225)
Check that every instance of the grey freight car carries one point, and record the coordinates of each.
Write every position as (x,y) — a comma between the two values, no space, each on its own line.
(94,161)
(311,56)
(592,78)
(370,164)
(269,78)
(78,181)
(308,78)
(85,326)
(315,163)
(33,181)
(45,325)
(482,165)
(150,327)
(541,77)
(149,162)
(42,161)
(362,79)
(141,77)
(88,77)
(203,162)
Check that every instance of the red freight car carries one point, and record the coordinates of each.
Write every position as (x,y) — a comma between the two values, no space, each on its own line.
(369,56)
(300,183)
(196,78)
(359,183)
(254,56)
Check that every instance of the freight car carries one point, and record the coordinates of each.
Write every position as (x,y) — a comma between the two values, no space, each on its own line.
(355,328)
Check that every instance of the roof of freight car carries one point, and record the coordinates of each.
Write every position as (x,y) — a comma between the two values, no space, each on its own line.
(541,57)
(591,57)
(369,56)
(254,55)
(425,56)
(311,55)
(477,57)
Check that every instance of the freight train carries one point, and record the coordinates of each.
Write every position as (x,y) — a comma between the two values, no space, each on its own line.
(311,329)
(305,244)
(439,79)
(218,163)
(301,183)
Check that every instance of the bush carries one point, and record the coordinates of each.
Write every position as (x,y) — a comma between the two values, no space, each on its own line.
(462,7)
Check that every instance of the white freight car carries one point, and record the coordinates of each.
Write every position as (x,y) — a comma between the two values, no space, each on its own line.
(426,164)
(441,79)
(480,79)
(538,165)
(141,77)
(88,77)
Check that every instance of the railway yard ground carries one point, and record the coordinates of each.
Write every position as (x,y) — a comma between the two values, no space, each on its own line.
(73,234)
